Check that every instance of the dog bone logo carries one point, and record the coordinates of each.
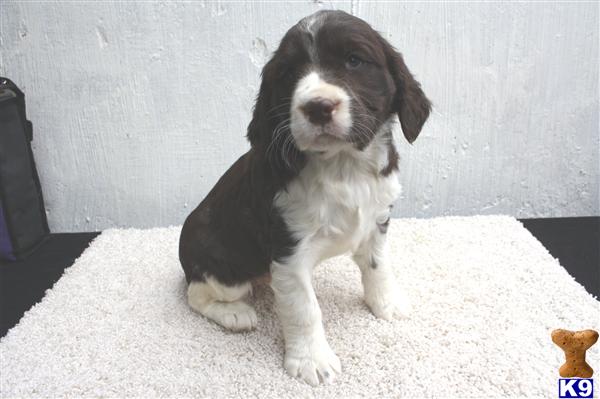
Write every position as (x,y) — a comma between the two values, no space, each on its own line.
(574,344)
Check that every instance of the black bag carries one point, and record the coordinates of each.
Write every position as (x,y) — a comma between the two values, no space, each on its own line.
(23,223)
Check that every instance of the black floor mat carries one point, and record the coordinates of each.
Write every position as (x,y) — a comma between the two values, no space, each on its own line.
(576,243)
(24,283)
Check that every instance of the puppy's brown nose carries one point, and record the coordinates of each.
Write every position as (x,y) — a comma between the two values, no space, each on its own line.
(319,110)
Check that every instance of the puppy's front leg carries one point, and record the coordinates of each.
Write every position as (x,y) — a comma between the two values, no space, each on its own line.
(382,295)
(307,353)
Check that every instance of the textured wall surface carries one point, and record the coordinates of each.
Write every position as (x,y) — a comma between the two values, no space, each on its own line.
(138,107)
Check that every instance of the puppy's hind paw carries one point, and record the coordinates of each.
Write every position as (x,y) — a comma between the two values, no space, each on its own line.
(235,316)
(389,306)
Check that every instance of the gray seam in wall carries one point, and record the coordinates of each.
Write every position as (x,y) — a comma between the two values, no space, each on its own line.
(354,7)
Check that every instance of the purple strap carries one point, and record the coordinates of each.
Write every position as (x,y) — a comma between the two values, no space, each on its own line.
(6,248)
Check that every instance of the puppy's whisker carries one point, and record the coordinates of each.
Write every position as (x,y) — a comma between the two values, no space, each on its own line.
(284,149)
(368,116)
(279,130)
(279,115)
(364,131)
(372,118)
(277,107)
(272,146)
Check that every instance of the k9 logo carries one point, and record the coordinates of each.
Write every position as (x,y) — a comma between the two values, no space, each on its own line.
(575,388)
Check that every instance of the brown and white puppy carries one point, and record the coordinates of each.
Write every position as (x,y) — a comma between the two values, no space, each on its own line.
(319,180)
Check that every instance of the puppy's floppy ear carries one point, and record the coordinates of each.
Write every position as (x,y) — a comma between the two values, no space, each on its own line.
(258,127)
(268,132)
(410,102)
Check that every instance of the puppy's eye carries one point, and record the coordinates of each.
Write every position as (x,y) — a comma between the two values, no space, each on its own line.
(353,62)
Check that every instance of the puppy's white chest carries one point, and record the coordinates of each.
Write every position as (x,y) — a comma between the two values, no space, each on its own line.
(336,205)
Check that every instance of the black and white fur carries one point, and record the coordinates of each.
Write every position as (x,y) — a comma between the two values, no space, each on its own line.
(319,181)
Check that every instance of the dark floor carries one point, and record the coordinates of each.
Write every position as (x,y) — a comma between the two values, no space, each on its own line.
(575,241)
(24,283)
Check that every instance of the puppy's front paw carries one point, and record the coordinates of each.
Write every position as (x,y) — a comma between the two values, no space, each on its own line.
(313,362)
(386,306)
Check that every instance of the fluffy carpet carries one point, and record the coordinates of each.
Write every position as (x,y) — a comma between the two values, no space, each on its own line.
(486,295)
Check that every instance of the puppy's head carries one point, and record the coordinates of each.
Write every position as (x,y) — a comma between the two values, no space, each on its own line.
(330,86)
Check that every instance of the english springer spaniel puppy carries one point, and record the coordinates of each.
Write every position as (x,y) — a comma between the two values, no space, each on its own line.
(318,181)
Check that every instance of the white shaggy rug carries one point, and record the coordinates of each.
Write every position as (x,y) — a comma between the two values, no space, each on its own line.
(485,293)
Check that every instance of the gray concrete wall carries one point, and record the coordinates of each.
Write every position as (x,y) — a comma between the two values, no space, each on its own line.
(139,107)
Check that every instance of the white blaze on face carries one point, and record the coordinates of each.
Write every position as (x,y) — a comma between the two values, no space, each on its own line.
(310,136)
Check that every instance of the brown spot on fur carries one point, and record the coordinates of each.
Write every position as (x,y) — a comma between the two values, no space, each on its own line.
(392,161)
(383,227)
